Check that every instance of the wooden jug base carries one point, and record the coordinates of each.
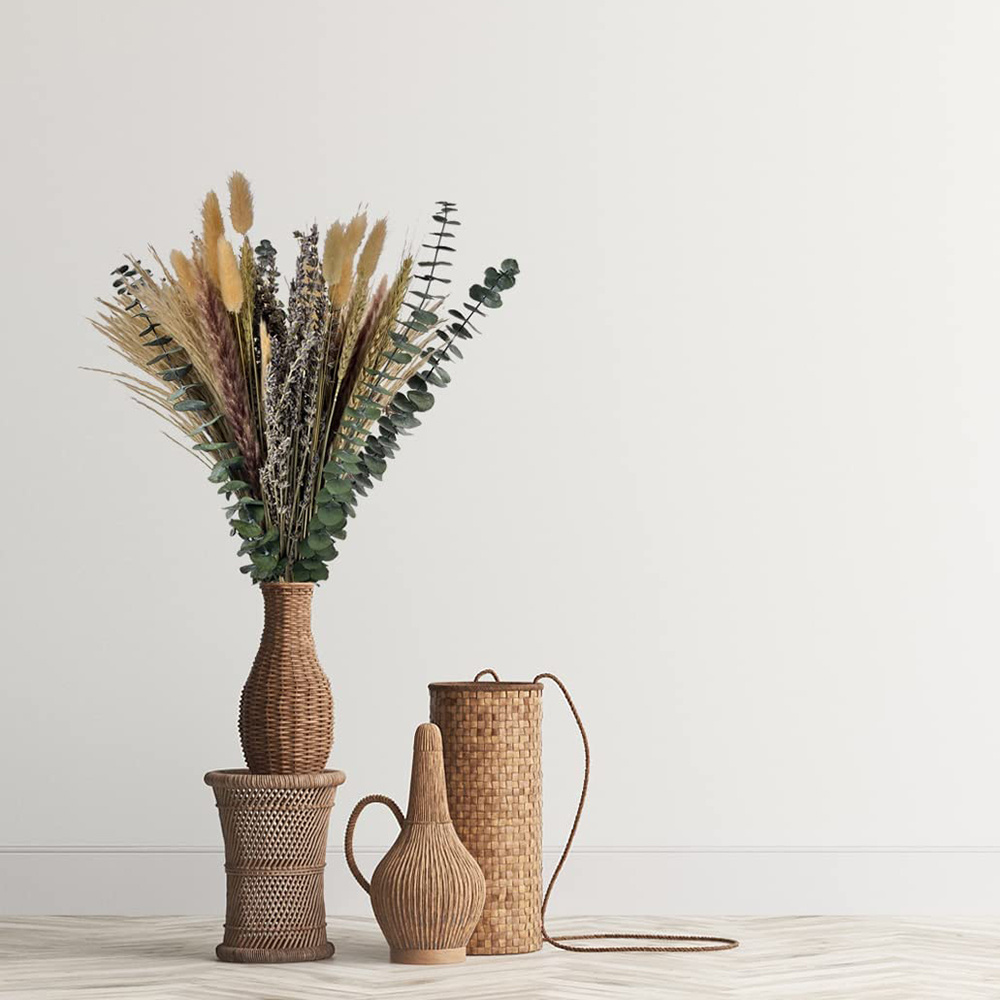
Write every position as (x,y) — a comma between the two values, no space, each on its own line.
(427,956)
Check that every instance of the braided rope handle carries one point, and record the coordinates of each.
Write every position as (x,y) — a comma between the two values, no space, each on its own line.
(703,942)
(349,833)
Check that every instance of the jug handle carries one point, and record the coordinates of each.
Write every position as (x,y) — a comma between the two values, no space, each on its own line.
(349,834)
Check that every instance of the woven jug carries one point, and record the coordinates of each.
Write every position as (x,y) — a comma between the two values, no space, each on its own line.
(427,892)
(286,710)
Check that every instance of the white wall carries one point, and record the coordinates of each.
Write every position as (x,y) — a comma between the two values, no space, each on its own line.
(728,461)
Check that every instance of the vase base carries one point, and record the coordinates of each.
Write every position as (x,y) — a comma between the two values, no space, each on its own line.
(232,953)
(427,956)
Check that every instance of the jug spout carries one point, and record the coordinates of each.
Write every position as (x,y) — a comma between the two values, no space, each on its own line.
(428,792)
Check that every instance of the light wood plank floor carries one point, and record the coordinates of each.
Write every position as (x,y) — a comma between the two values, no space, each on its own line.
(805,958)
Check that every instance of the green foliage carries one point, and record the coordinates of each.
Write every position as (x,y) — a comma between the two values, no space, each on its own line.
(350,474)
(385,396)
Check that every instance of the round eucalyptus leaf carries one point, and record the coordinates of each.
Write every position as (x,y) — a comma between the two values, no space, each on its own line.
(338,487)
(246,529)
(220,471)
(333,518)
(404,421)
(318,542)
(265,564)
(421,400)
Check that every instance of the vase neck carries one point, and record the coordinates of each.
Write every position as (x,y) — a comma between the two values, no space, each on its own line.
(428,792)
(288,607)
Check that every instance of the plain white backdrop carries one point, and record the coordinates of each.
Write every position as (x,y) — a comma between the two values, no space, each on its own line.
(728,460)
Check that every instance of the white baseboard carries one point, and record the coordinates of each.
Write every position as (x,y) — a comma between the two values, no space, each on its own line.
(598,881)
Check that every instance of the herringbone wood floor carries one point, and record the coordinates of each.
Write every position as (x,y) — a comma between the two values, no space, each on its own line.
(782,958)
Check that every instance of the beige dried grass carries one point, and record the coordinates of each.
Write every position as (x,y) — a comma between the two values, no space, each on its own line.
(212,227)
(382,316)
(333,255)
(185,274)
(123,330)
(180,316)
(368,260)
(230,278)
(353,235)
(240,203)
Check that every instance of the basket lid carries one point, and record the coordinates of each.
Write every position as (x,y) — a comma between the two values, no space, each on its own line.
(485,686)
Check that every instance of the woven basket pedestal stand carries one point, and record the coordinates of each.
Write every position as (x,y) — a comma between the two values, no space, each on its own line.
(274,827)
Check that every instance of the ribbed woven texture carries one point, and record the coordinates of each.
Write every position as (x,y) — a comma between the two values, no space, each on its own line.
(274,828)
(493,765)
(427,892)
(286,710)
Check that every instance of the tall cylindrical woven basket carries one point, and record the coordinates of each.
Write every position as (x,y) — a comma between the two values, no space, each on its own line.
(274,827)
(492,740)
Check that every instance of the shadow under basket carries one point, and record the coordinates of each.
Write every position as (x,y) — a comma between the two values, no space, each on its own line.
(274,827)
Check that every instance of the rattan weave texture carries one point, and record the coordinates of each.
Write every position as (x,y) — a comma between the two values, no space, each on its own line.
(492,740)
(286,710)
(274,827)
(427,892)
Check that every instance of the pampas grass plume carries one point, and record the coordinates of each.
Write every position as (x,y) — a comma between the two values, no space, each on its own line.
(212,227)
(230,279)
(368,260)
(240,203)
(353,236)
(333,255)
(355,233)
(185,274)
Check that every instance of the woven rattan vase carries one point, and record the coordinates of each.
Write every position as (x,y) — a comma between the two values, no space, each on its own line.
(274,827)
(286,711)
(427,892)
(493,766)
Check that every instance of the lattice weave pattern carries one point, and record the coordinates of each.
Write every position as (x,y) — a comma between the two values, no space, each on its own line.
(286,710)
(493,765)
(274,827)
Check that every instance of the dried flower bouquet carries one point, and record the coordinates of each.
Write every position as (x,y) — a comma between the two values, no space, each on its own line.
(296,408)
